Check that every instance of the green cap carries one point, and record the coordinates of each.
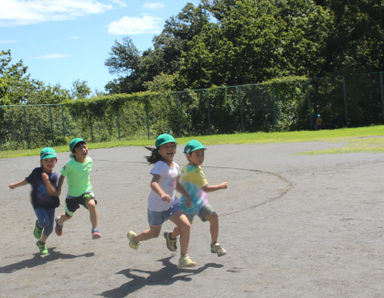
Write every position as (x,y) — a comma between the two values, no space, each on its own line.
(164,139)
(193,146)
(47,152)
(74,142)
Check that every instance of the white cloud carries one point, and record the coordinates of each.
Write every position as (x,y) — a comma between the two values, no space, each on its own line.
(135,25)
(8,41)
(53,56)
(153,5)
(74,37)
(25,12)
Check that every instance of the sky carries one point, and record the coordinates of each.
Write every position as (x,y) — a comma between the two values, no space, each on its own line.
(61,41)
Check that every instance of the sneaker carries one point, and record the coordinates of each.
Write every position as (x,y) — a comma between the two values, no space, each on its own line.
(58,227)
(185,262)
(42,247)
(96,234)
(171,243)
(132,241)
(216,248)
(37,231)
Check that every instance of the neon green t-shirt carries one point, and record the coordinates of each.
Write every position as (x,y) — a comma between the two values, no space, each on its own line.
(78,176)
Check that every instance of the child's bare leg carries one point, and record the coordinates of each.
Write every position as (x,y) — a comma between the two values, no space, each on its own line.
(43,238)
(63,218)
(214,226)
(91,205)
(153,232)
(181,221)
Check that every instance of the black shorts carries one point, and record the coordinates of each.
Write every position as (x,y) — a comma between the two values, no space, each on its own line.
(73,203)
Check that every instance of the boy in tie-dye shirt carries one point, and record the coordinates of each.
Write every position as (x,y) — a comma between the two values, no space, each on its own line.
(196,185)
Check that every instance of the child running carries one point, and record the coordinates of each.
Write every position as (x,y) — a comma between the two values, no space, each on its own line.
(162,202)
(78,171)
(44,196)
(196,185)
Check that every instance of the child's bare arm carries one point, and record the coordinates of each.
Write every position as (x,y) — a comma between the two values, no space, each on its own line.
(59,185)
(209,188)
(50,189)
(17,184)
(157,189)
(180,188)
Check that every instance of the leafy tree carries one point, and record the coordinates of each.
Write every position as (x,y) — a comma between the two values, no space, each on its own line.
(356,42)
(80,89)
(16,86)
(254,41)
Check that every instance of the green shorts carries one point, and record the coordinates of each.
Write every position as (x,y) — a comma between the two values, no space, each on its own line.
(73,203)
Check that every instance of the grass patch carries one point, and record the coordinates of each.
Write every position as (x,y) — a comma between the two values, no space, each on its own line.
(361,139)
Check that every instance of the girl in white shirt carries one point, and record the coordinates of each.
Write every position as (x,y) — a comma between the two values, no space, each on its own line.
(162,201)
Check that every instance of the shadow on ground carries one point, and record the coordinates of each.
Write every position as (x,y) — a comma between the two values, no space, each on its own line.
(38,260)
(167,275)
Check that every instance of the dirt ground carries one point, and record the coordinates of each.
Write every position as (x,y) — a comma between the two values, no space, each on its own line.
(293,225)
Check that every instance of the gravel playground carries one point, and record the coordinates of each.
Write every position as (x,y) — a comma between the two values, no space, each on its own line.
(293,225)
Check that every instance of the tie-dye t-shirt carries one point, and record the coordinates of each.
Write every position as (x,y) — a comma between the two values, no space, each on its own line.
(168,179)
(193,179)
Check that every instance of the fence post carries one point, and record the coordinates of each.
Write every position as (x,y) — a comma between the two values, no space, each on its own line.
(26,127)
(382,93)
(309,104)
(209,110)
(147,118)
(345,101)
(241,108)
(63,120)
(51,120)
(178,113)
(118,125)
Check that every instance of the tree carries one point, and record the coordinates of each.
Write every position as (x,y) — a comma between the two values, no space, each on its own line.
(80,89)
(253,41)
(16,86)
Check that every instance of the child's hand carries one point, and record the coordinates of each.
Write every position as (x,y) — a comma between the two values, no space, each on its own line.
(45,177)
(166,198)
(224,185)
(188,202)
(12,186)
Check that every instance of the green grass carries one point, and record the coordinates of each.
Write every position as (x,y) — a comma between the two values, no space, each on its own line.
(352,140)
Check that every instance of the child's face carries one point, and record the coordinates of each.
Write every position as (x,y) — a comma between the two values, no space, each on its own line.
(80,152)
(168,151)
(48,164)
(196,157)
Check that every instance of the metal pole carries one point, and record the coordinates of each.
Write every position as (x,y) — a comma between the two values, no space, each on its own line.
(26,127)
(239,99)
(63,120)
(345,101)
(382,93)
(51,120)
(309,104)
(208,110)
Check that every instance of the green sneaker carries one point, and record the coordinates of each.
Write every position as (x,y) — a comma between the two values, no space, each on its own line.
(171,243)
(216,248)
(37,231)
(42,247)
(186,262)
(132,241)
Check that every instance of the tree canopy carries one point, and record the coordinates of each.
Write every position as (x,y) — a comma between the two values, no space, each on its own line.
(231,42)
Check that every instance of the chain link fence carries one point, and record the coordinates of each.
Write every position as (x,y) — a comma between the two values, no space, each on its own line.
(340,101)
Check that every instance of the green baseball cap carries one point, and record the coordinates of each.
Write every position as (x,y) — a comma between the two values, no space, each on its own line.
(164,139)
(47,152)
(74,142)
(193,146)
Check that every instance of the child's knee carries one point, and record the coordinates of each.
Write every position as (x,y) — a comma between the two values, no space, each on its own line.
(213,217)
(91,205)
(154,234)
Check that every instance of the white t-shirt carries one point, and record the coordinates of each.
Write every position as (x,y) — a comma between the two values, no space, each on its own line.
(168,179)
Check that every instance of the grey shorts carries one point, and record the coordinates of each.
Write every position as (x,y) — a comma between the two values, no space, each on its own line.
(205,211)
(157,218)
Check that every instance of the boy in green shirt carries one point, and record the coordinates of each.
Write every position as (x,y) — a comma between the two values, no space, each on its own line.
(78,171)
